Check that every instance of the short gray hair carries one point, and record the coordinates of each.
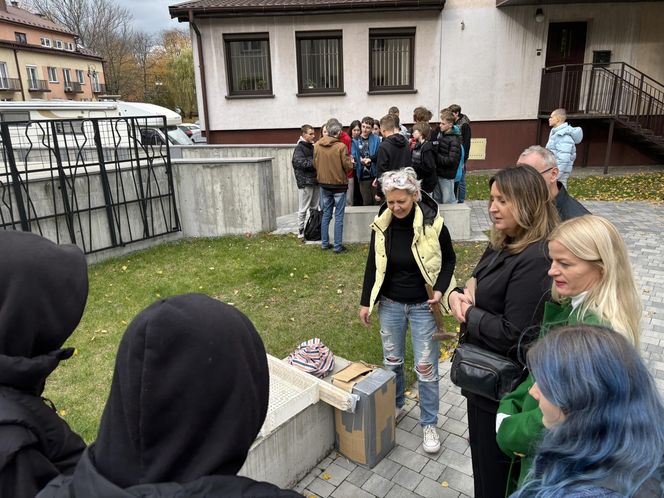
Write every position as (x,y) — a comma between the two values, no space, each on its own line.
(546,155)
(402,179)
(561,113)
(333,127)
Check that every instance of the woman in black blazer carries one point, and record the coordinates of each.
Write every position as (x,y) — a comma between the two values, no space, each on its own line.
(507,300)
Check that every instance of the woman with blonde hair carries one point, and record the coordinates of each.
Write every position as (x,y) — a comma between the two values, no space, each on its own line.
(592,284)
(510,285)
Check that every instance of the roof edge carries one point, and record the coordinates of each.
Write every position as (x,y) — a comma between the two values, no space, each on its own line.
(182,13)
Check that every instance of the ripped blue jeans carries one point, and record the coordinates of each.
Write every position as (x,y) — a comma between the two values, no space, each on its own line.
(394,319)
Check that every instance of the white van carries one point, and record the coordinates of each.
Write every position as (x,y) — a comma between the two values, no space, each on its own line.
(37,110)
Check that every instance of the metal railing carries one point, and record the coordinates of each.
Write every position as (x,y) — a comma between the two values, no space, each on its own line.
(38,86)
(98,183)
(615,90)
(73,87)
(10,84)
(98,88)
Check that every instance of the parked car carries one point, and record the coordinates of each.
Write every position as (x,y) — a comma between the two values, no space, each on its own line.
(154,136)
(189,128)
(198,138)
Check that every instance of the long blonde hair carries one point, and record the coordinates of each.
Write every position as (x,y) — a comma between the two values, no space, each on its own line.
(615,299)
(525,189)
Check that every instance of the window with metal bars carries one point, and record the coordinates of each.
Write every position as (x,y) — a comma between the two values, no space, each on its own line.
(391,59)
(248,64)
(319,62)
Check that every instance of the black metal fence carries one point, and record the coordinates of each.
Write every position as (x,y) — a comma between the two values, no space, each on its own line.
(613,90)
(98,183)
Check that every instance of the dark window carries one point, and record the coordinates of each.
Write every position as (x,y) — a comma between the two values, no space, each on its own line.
(20,37)
(248,64)
(391,59)
(319,62)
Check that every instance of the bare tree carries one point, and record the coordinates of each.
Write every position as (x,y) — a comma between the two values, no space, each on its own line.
(144,51)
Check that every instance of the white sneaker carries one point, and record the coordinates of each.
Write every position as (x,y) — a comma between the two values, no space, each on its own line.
(431,443)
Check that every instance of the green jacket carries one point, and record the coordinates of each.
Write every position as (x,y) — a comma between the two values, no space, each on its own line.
(520,433)
(425,248)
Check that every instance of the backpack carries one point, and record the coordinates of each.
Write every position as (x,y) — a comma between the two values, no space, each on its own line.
(312,228)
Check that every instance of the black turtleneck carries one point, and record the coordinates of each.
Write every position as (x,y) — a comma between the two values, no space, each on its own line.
(404,282)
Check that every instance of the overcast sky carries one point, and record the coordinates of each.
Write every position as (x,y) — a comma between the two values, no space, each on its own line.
(152,16)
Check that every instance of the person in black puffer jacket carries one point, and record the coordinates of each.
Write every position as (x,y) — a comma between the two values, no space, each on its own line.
(189,394)
(305,176)
(43,290)
(448,157)
(424,157)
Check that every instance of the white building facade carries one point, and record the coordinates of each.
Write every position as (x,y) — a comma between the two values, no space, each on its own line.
(265,68)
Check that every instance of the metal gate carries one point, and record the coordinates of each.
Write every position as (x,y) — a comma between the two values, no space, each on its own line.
(97,182)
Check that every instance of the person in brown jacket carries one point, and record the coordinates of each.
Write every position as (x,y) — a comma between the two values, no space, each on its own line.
(332,163)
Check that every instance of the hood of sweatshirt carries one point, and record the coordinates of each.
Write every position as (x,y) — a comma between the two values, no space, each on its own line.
(188,397)
(43,291)
(575,132)
(397,140)
(327,141)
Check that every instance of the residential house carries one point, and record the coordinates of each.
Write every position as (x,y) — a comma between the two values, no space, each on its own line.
(42,60)
(264,67)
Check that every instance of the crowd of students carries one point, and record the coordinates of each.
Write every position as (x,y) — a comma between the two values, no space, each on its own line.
(438,154)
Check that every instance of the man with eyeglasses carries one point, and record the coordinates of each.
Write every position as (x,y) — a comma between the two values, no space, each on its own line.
(544,161)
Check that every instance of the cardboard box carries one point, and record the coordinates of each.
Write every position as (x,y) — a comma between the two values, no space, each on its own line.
(366,435)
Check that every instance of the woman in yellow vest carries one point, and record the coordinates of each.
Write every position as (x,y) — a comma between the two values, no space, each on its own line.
(410,248)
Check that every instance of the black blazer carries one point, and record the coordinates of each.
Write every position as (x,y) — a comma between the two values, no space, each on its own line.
(510,296)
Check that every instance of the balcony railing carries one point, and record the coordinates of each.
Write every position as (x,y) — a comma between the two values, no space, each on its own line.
(98,88)
(10,84)
(73,87)
(38,86)
(615,90)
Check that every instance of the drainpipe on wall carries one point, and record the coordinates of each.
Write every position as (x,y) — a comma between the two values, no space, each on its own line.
(18,71)
(201,63)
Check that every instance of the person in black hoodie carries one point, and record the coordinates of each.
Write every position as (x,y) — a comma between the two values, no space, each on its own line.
(393,152)
(43,291)
(188,397)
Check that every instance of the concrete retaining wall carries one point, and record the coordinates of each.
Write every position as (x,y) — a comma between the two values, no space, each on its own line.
(225,196)
(357,220)
(283,178)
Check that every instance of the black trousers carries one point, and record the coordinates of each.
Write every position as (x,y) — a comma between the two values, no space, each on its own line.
(491,466)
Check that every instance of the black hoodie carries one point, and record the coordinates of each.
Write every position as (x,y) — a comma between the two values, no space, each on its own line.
(393,154)
(188,397)
(43,290)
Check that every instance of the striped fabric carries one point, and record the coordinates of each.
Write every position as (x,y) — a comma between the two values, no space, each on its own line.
(313,357)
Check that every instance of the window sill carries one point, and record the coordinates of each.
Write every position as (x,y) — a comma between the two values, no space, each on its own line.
(321,94)
(388,92)
(256,96)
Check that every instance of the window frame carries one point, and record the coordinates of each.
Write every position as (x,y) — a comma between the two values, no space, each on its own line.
(45,42)
(246,37)
(4,76)
(58,44)
(393,33)
(20,37)
(81,73)
(336,34)
(66,77)
(31,68)
(55,74)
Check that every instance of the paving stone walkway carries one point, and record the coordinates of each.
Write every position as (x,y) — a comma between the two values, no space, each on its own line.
(408,471)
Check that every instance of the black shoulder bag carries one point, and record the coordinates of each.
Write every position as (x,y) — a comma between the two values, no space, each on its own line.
(483,372)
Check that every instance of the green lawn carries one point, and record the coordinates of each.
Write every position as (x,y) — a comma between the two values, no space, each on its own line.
(291,292)
(633,187)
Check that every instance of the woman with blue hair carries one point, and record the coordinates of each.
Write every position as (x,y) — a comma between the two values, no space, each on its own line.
(603,415)
(592,284)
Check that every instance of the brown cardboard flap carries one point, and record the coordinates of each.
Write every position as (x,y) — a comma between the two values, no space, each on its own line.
(351,375)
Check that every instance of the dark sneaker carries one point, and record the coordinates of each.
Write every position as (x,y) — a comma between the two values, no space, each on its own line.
(325,248)
(340,250)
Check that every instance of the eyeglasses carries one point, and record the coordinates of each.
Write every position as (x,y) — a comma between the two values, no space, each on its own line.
(546,170)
